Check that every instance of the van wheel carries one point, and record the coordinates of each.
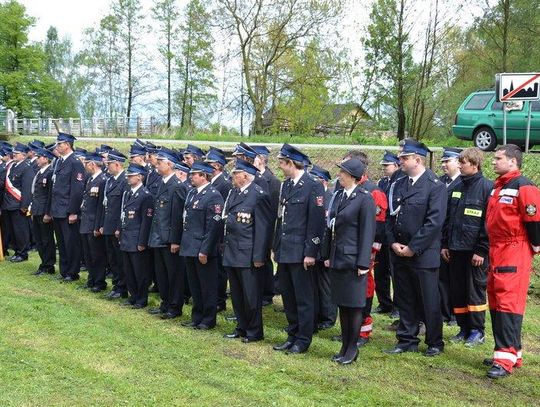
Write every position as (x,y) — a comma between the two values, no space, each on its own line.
(484,138)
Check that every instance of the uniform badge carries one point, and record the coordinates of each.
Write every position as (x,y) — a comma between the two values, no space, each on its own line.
(506,200)
(217,209)
(195,204)
(530,209)
(217,218)
(131,214)
(149,212)
(319,201)
(44,181)
(316,240)
(79,176)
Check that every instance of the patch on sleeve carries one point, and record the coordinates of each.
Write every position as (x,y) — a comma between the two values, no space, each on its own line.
(316,240)
(150,212)
(530,209)
(79,176)
(319,201)
(217,209)
(217,218)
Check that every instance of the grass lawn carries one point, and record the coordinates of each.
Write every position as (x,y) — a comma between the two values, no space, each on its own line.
(62,346)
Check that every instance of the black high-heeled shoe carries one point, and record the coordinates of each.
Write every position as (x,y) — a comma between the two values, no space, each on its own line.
(346,361)
(337,357)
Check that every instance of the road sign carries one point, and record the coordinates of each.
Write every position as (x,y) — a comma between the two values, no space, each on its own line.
(517,86)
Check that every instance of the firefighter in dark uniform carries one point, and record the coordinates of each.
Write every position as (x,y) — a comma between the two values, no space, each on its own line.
(203,227)
(299,230)
(165,237)
(137,209)
(41,203)
(274,186)
(66,198)
(465,247)
(325,309)
(192,154)
(7,158)
(91,213)
(31,156)
(247,216)
(113,192)
(220,181)
(17,199)
(452,179)
(414,235)
(348,246)
(513,226)
(152,183)
(383,273)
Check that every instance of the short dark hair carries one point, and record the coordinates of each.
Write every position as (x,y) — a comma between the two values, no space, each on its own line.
(512,151)
(360,155)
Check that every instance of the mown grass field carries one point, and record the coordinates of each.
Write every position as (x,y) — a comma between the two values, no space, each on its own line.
(63,346)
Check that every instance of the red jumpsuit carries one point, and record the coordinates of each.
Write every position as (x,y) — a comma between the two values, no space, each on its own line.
(513,226)
(381,204)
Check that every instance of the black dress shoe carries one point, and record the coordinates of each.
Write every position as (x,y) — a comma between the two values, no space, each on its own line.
(188,324)
(347,361)
(266,303)
(382,310)
(337,357)
(127,303)
(325,325)
(221,308)
(97,289)
(396,350)
(153,289)
(497,372)
(394,314)
(155,311)
(251,339)
(361,342)
(138,306)
(203,327)
(18,259)
(433,351)
(38,272)
(169,315)
(283,346)
(233,335)
(295,349)
(70,279)
(336,338)
(113,295)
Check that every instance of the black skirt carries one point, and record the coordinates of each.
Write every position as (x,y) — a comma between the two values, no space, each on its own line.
(348,289)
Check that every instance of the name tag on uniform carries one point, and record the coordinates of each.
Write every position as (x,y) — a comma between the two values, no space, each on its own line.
(506,200)
(473,212)
(456,194)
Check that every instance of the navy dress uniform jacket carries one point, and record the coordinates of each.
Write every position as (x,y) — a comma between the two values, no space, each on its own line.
(168,207)
(274,185)
(247,216)
(68,186)
(21,176)
(352,231)
(112,203)
(202,222)
(300,225)
(92,207)
(418,222)
(223,185)
(153,181)
(41,199)
(136,219)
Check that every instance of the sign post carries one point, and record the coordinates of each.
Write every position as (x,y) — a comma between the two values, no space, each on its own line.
(510,87)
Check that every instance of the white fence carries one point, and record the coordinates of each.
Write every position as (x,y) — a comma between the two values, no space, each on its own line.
(80,127)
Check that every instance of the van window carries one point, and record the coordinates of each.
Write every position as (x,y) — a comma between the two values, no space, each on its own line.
(535,107)
(496,106)
(479,102)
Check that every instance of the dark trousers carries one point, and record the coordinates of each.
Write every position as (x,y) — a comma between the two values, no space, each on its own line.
(296,285)
(444,291)
(417,297)
(69,247)
(44,238)
(19,230)
(222,283)
(268,279)
(383,278)
(6,240)
(114,260)
(137,276)
(95,259)
(325,309)
(246,296)
(170,269)
(203,285)
(468,290)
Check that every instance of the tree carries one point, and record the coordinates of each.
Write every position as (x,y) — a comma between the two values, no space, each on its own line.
(166,14)
(388,47)
(265,32)
(196,64)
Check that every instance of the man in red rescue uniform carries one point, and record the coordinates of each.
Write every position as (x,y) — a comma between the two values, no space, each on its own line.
(513,226)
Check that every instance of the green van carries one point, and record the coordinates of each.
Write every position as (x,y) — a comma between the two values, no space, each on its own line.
(480,119)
